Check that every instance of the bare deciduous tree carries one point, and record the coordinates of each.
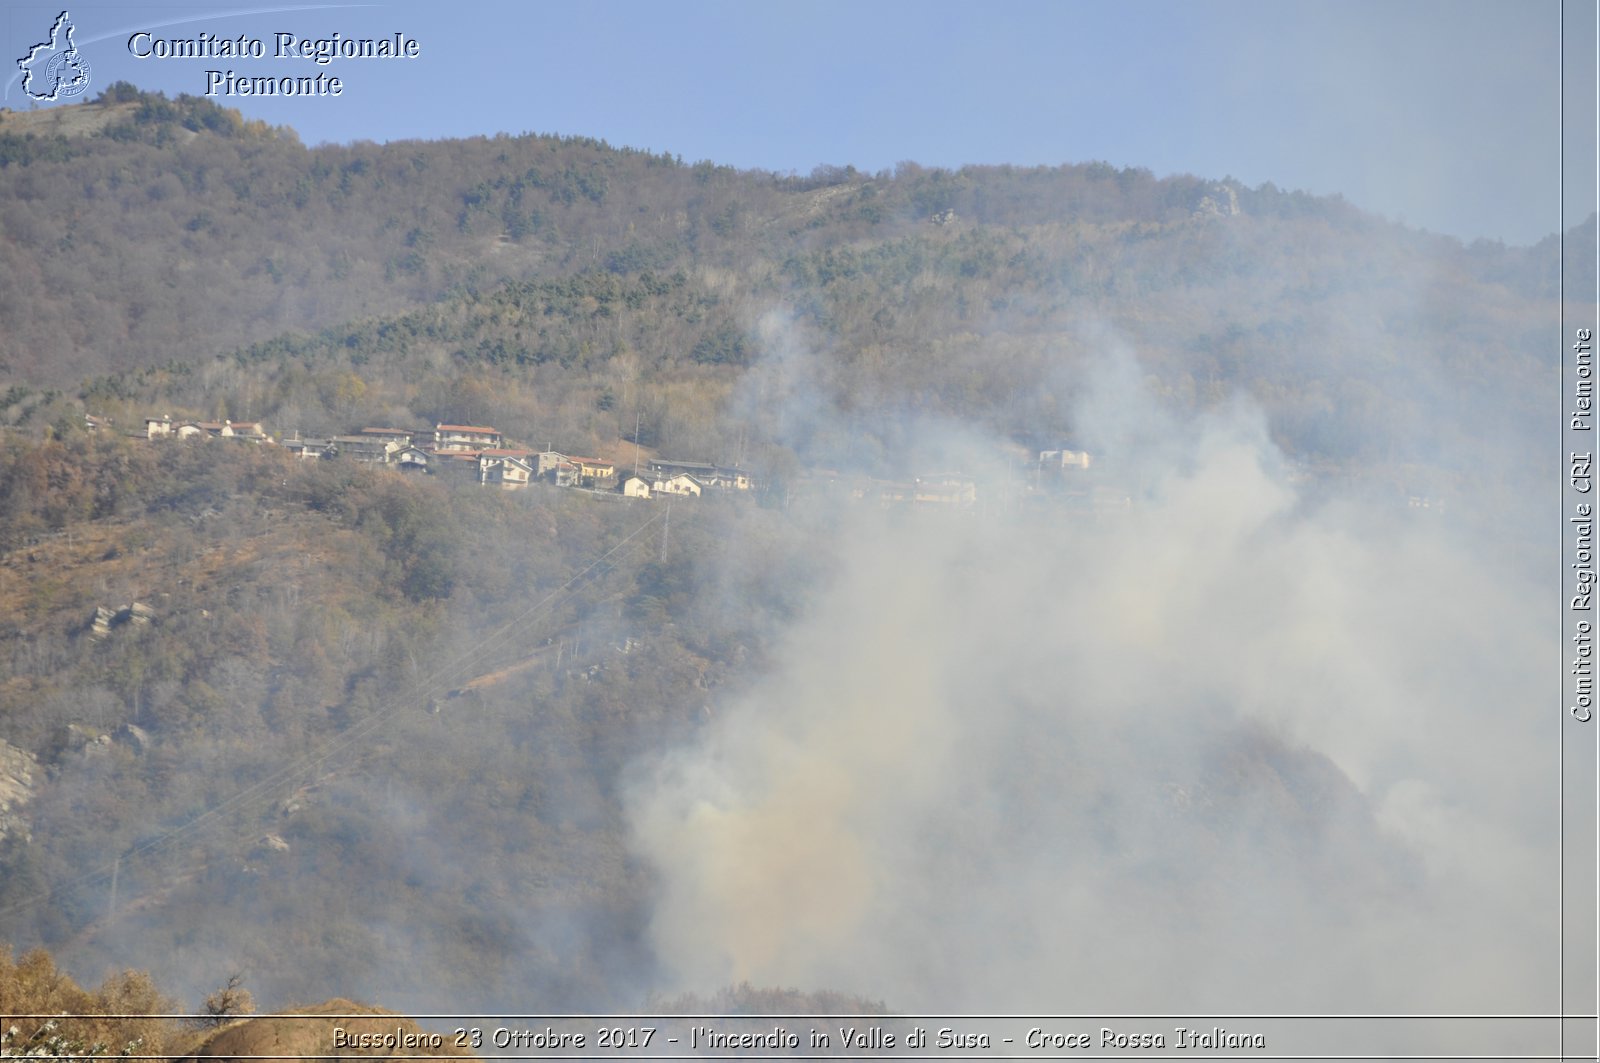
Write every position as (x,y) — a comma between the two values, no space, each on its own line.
(228,1003)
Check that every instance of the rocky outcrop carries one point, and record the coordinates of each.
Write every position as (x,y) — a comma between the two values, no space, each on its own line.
(138,614)
(19,771)
(1220,201)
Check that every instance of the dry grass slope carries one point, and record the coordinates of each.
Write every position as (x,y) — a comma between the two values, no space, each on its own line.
(308,1033)
(75,120)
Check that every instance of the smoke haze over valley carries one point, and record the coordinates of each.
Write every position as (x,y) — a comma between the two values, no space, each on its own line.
(1140,762)
(522,573)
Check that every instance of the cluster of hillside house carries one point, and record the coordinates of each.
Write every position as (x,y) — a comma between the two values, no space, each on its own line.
(167,428)
(482,454)
(476,452)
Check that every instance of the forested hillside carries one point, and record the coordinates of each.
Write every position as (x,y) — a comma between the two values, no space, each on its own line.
(181,257)
(301,681)
(357,733)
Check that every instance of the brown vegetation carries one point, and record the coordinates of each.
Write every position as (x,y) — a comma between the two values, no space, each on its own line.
(308,1033)
(124,1015)
(302,754)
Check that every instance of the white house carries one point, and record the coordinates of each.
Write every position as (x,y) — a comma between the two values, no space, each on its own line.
(716,477)
(464,437)
(504,470)
(681,484)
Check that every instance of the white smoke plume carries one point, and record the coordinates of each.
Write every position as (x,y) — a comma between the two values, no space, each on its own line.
(1237,746)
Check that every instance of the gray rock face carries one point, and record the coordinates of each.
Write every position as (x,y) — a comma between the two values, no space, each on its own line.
(138,614)
(133,736)
(18,770)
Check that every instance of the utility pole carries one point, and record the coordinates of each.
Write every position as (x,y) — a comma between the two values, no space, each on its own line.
(666,529)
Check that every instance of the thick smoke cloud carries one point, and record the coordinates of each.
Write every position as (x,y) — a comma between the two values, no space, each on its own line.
(1237,745)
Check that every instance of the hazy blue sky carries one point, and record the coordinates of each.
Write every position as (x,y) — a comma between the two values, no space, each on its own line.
(1442,113)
